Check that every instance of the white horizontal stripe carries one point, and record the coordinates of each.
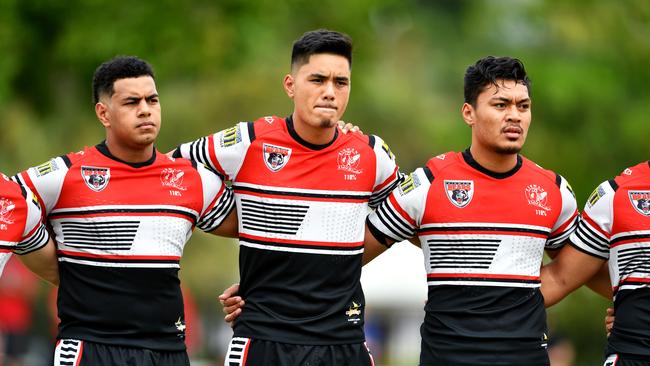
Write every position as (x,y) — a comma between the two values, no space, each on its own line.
(120,264)
(485,225)
(301,250)
(302,190)
(629,233)
(125,207)
(484,283)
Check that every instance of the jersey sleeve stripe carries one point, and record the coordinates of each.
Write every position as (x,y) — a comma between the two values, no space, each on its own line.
(214,162)
(378,196)
(399,226)
(428,173)
(251,131)
(583,239)
(395,205)
(593,254)
(595,228)
(33,242)
(217,214)
(568,226)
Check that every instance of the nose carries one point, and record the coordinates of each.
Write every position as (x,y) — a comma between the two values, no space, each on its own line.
(329,91)
(514,115)
(143,108)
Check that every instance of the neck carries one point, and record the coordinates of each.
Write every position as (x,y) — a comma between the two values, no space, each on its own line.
(493,161)
(314,135)
(130,154)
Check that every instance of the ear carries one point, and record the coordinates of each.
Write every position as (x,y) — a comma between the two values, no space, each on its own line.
(468,113)
(289,85)
(103,114)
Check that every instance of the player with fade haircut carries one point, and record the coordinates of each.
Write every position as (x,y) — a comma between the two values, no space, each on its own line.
(22,232)
(483,218)
(302,190)
(121,213)
(614,228)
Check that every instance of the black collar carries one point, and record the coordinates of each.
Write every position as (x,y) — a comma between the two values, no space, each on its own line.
(294,134)
(102,148)
(469,159)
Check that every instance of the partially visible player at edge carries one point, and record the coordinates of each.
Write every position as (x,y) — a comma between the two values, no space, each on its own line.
(121,213)
(22,232)
(302,190)
(614,227)
(483,217)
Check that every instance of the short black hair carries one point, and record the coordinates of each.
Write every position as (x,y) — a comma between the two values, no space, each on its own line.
(120,67)
(490,69)
(321,41)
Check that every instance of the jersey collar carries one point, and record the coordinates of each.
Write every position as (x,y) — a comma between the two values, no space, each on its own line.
(294,134)
(469,159)
(103,149)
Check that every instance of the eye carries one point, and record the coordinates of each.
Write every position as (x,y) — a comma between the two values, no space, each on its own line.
(500,105)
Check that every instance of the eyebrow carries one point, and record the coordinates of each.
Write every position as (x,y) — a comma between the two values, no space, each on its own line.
(135,99)
(509,100)
(322,76)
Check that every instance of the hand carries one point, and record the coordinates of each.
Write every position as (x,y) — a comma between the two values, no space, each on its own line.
(348,127)
(231,303)
(609,321)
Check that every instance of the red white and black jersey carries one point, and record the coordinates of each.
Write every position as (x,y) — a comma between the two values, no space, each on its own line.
(120,230)
(615,226)
(483,235)
(301,214)
(21,228)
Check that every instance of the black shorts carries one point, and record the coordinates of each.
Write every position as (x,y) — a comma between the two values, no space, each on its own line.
(72,352)
(255,352)
(625,360)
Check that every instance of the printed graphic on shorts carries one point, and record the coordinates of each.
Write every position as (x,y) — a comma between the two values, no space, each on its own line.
(68,352)
(237,351)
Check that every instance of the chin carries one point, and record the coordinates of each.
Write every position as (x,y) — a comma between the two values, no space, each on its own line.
(327,123)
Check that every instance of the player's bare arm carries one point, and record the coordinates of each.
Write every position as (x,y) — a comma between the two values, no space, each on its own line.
(43,262)
(569,270)
(229,227)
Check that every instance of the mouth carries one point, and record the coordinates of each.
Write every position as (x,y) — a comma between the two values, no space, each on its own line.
(326,108)
(512,132)
(146,125)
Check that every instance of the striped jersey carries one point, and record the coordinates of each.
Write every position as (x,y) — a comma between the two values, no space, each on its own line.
(301,214)
(21,228)
(483,235)
(120,230)
(615,226)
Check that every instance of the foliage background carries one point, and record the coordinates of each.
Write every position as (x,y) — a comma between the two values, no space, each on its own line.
(221,62)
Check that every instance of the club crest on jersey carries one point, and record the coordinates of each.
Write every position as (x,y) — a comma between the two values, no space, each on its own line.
(95,178)
(6,211)
(276,157)
(173,178)
(349,160)
(537,196)
(459,192)
(641,201)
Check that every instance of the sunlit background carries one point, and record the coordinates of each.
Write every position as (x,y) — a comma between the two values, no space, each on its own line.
(220,62)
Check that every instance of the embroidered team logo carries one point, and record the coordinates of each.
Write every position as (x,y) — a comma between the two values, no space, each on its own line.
(6,211)
(641,201)
(95,178)
(276,157)
(170,177)
(459,192)
(537,196)
(269,119)
(349,160)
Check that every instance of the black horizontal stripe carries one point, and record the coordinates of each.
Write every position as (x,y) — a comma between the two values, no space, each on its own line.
(265,205)
(360,196)
(463,241)
(457,259)
(269,224)
(599,254)
(87,235)
(472,246)
(461,252)
(98,247)
(123,210)
(100,224)
(394,222)
(277,215)
(483,228)
(119,260)
(463,265)
(588,241)
(270,229)
(631,237)
(285,245)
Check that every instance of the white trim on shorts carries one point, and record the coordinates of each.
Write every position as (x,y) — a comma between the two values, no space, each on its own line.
(611,360)
(68,352)
(237,351)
